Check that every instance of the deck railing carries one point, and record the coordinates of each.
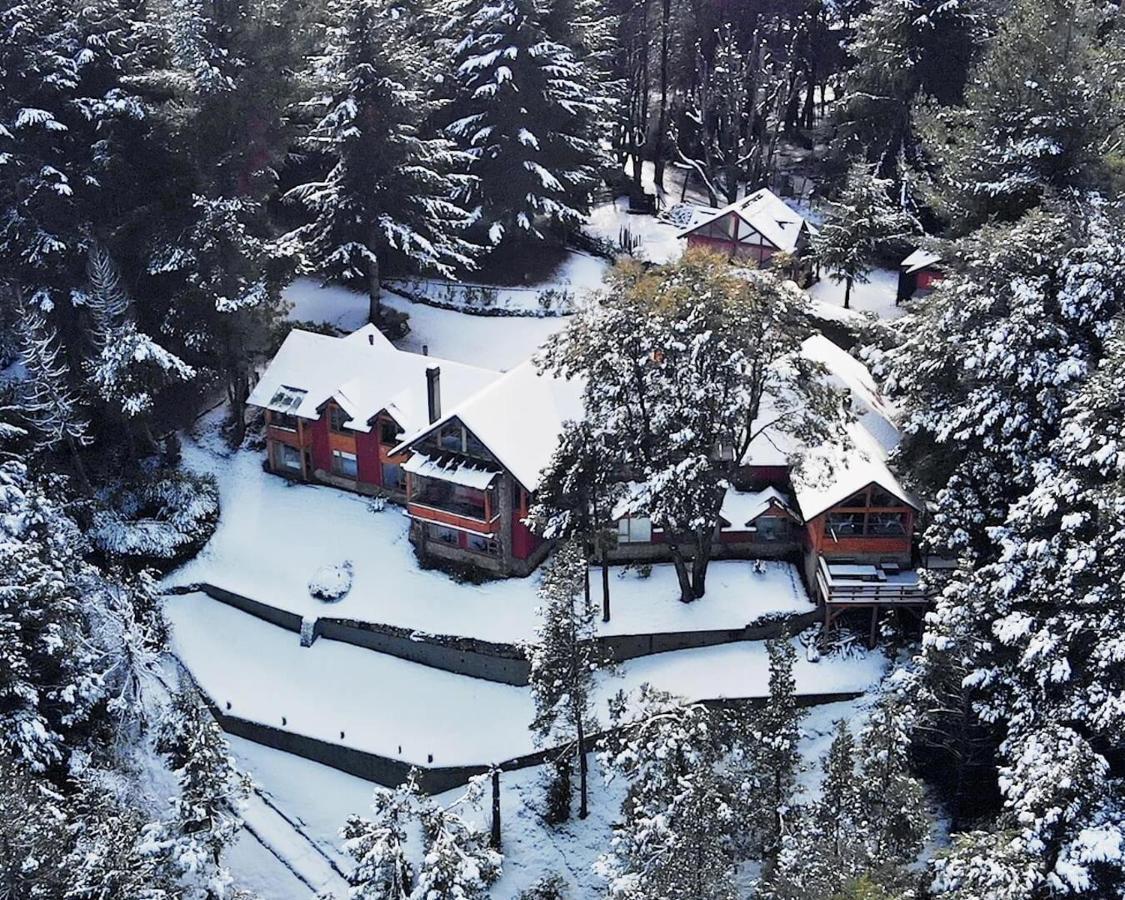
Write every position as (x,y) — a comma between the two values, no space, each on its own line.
(865,593)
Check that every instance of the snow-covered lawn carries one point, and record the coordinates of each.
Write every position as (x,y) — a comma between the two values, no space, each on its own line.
(319,799)
(658,241)
(352,696)
(274,536)
(876,296)
(577,275)
(493,342)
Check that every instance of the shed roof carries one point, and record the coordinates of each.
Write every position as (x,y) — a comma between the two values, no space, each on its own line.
(919,259)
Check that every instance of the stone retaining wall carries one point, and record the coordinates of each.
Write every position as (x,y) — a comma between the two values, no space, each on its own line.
(499,662)
(390,772)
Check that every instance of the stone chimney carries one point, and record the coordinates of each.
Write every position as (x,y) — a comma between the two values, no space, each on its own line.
(433,392)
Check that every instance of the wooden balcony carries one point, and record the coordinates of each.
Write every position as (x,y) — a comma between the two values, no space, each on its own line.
(844,584)
(464,519)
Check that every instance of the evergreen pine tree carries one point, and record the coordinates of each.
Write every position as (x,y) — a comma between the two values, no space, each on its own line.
(1039,114)
(206,812)
(676,835)
(858,223)
(775,755)
(563,660)
(390,188)
(383,870)
(524,114)
(50,405)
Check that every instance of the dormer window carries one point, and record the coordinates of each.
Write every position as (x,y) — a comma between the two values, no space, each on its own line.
(337,416)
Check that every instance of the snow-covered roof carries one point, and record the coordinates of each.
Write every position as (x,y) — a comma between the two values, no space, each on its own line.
(519,417)
(766,213)
(919,259)
(365,374)
(832,472)
(740,508)
(454,470)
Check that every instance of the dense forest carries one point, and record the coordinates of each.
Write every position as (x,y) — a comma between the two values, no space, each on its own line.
(168,167)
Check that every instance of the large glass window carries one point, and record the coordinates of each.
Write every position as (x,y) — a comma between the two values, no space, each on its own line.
(444,535)
(393,477)
(454,498)
(344,464)
(480,544)
(772,528)
(886,524)
(288,457)
(845,524)
(634,530)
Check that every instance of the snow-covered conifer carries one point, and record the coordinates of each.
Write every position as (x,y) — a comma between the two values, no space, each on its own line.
(1039,113)
(861,219)
(206,813)
(525,112)
(563,659)
(389,189)
(51,406)
(380,845)
(458,861)
(676,835)
(775,756)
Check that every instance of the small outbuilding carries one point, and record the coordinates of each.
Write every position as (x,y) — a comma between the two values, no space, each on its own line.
(918,274)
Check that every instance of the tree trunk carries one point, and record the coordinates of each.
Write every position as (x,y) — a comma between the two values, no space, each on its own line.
(238,394)
(659,152)
(583,799)
(847,293)
(682,573)
(79,468)
(605,584)
(374,288)
(700,562)
(494,836)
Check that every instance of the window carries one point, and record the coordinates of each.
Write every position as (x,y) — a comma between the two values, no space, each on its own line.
(845,524)
(859,501)
(284,421)
(886,524)
(388,432)
(480,544)
(879,497)
(392,476)
(444,535)
(634,530)
(473,447)
(450,438)
(288,457)
(344,464)
(336,418)
(772,528)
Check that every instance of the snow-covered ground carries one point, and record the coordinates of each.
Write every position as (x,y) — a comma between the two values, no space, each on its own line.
(319,799)
(658,242)
(876,296)
(493,342)
(355,697)
(274,536)
(577,276)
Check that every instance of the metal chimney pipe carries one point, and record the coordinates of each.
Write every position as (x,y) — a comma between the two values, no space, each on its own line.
(433,393)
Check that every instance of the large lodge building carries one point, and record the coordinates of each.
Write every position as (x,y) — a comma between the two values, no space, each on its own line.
(462,449)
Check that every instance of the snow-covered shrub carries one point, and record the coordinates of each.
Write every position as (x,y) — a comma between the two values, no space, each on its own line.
(160,519)
(377,504)
(332,582)
(559,791)
(550,887)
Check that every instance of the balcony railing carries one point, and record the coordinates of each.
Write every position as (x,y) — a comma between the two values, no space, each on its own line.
(866,585)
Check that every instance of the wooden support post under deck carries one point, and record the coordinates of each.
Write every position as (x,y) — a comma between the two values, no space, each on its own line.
(874,626)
